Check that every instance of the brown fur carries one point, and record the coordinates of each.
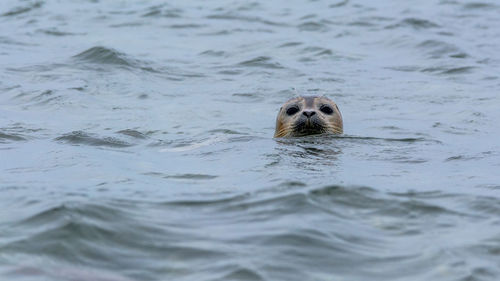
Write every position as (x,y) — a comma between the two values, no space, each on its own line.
(309,117)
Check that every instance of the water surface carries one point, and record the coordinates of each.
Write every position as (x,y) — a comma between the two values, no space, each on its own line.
(136,141)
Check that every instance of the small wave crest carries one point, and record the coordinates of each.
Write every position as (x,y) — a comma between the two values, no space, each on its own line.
(23,9)
(83,138)
(414,23)
(7,137)
(104,55)
(262,61)
(110,57)
(325,138)
(101,236)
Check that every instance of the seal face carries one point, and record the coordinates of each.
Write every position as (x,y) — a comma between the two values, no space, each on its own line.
(308,115)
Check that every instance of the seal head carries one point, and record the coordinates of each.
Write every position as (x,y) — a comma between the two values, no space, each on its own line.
(308,115)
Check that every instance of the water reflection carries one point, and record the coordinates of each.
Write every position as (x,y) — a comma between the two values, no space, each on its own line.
(310,153)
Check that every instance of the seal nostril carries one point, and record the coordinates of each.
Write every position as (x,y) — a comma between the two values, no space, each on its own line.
(309,114)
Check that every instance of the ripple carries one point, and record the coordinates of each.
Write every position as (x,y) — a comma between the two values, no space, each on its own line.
(234,17)
(479,156)
(230,72)
(414,23)
(313,26)
(442,70)
(438,49)
(62,273)
(483,205)
(110,57)
(459,70)
(357,197)
(317,51)
(326,137)
(83,138)
(6,137)
(163,11)
(479,6)
(459,55)
(187,26)
(9,41)
(214,53)
(90,211)
(188,145)
(102,55)
(47,97)
(22,10)
(290,44)
(192,177)
(243,274)
(339,4)
(128,24)
(262,61)
(206,202)
(133,133)
(56,32)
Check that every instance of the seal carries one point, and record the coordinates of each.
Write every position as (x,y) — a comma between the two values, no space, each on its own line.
(308,115)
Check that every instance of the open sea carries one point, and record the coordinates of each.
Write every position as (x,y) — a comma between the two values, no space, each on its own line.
(136,140)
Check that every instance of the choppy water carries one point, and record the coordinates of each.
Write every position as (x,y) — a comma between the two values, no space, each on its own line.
(136,140)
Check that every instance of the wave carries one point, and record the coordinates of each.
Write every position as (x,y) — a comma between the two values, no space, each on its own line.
(7,137)
(22,10)
(415,23)
(262,61)
(328,228)
(83,138)
(102,55)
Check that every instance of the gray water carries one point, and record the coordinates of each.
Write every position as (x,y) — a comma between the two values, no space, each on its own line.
(136,140)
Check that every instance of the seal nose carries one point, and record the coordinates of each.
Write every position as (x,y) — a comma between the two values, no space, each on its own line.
(309,113)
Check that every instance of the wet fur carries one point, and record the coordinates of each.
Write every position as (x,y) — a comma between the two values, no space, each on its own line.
(297,125)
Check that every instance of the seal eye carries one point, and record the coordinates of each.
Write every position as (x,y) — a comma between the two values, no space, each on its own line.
(326,109)
(292,110)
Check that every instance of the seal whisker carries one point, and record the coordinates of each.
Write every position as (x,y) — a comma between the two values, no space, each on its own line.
(335,129)
(283,132)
